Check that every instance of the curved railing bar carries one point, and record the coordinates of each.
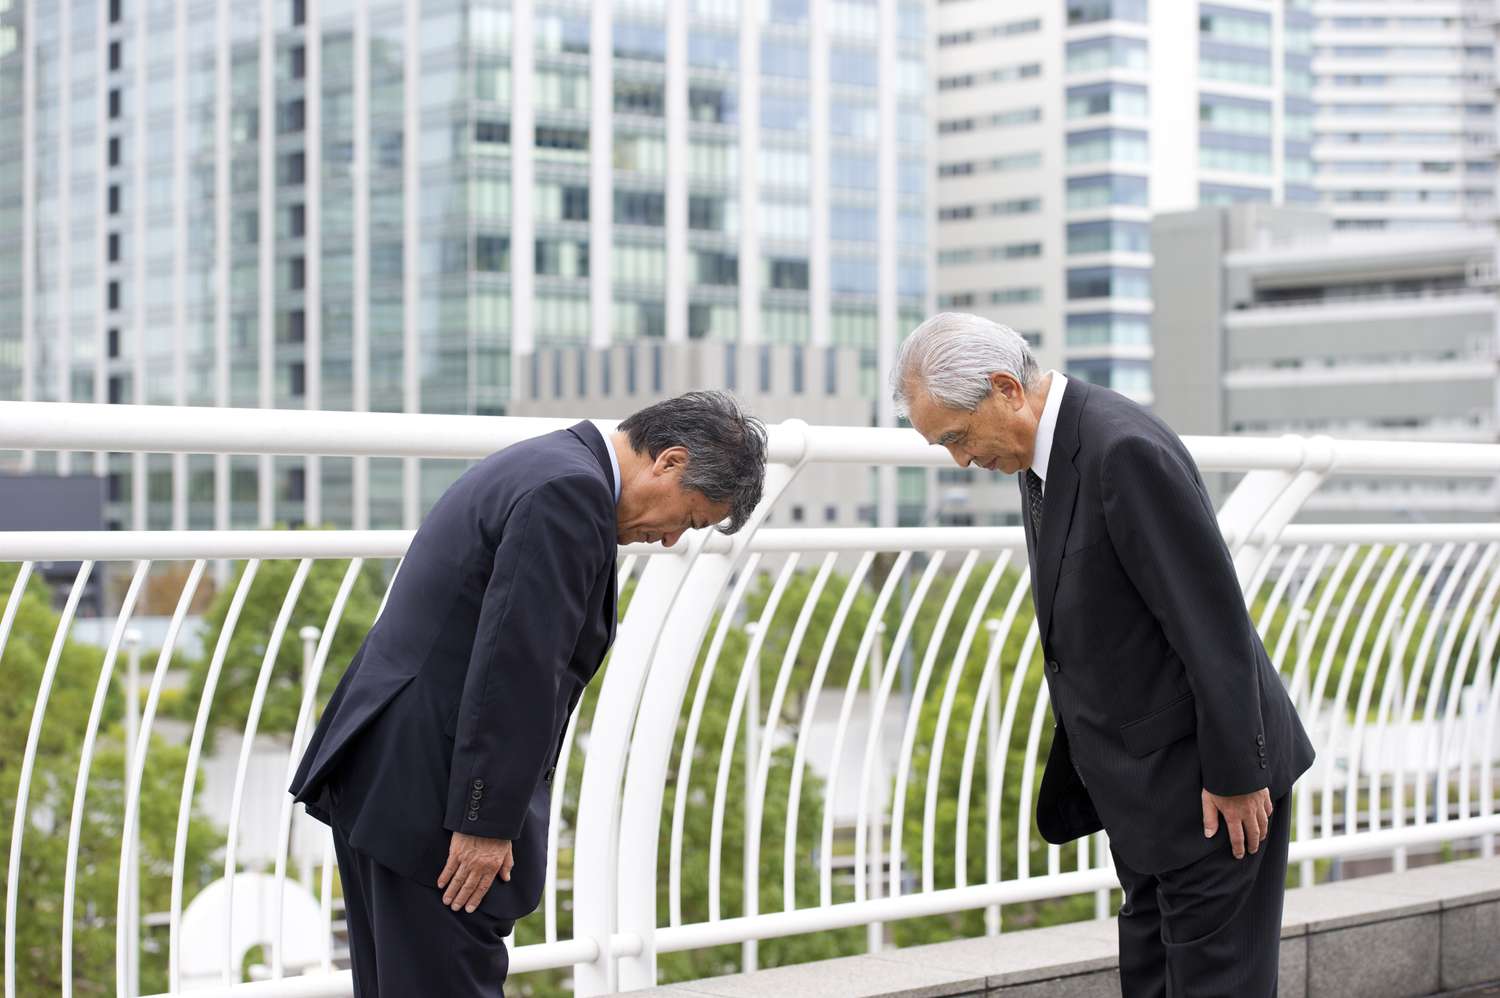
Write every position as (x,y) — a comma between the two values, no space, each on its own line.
(1300,681)
(1375,673)
(756,782)
(28,761)
(851,690)
(1472,637)
(877,713)
(1429,636)
(905,754)
(690,736)
(731,730)
(945,712)
(1294,611)
(999,635)
(13,604)
(294,758)
(138,769)
(554,826)
(1430,730)
(809,714)
(190,773)
(1278,591)
(1393,702)
(1346,678)
(85,764)
(242,767)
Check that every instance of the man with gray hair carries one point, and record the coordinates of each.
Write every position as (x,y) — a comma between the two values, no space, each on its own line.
(433,761)
(1173,730)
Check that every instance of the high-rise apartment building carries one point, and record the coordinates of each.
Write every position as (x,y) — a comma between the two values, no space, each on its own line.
(1064,125)
(1406,102)
(380,205)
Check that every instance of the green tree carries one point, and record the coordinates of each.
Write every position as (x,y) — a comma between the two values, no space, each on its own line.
(50,804)
(247,646)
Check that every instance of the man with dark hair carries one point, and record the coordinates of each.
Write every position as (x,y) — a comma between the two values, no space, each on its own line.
(433,761)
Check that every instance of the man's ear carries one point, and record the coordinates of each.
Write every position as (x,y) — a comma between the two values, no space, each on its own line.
(671,459)
(1008,388)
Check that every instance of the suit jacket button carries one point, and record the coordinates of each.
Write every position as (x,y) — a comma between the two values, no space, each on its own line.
(1263,764)
(1260,739)
(478,784)
(477,794)
(1054,666)
(473,815)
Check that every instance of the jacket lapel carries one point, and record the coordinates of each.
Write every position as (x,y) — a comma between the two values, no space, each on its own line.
(1057,506)
(587,432)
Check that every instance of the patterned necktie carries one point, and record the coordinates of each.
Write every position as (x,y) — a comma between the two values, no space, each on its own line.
(1034,500)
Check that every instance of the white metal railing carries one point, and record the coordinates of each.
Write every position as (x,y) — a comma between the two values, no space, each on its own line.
(798,730)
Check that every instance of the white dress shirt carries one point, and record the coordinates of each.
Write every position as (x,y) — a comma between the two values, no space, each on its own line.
(614,460)
(1047,427)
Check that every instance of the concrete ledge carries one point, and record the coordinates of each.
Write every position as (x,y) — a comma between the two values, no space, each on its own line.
(1396,935)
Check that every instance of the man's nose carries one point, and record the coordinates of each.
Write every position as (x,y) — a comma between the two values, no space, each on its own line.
(960,456)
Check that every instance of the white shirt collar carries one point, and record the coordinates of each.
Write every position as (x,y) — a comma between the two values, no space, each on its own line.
(1047,427)
(614,459)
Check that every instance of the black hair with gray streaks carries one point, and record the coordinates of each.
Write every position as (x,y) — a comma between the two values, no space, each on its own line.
(726,447)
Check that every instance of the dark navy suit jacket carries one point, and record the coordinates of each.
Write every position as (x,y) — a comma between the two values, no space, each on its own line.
(450,716)
(1160,685)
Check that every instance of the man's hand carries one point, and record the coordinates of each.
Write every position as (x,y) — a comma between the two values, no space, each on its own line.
(1248,817)
(473,862)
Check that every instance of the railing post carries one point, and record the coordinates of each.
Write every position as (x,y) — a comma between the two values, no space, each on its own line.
(650,749)
(132,875)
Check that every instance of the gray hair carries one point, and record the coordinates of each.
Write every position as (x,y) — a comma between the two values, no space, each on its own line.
(726,447)
(952,355)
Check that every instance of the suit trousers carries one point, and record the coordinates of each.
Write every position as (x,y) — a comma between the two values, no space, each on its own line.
(404,942)
(1211,929)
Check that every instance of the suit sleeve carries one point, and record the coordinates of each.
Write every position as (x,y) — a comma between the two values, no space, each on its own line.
(1166,533)
(554,544)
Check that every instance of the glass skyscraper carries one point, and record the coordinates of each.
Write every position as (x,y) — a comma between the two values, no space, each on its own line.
(387,205)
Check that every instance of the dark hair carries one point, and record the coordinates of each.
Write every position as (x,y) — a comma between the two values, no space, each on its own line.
(726,447)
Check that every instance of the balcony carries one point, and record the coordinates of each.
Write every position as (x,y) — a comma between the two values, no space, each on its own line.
(820,733)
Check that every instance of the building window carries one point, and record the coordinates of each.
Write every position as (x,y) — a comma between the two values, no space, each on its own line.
(298,380)
(299,62)
(557,390)
(583,371)
(656,367)
(114,247)
(297,220)
(114,11)
(291,116)
(799,366)
(113,293)
(765,369)
(114,342)
(114,150)
(604,372)
(292,170)
(296,326)
(116,391)
(296,485)
(299,12)
(830,514)
(630,355)
(114,104)
(798,514)
(731,366)
(536,376)
(115,58)
(831,371)
(492,254)
(297,273)
(114,199)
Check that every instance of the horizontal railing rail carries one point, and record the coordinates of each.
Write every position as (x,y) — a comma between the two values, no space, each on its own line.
(830,730)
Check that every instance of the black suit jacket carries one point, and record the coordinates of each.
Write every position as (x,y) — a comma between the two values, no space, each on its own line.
(450,717)
(1160,685)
